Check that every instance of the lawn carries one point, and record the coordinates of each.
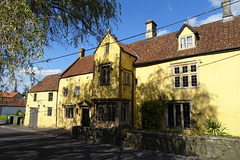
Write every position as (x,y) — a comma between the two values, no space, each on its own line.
(5,117)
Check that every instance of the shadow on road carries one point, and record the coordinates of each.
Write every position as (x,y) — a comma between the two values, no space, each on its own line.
(18,144)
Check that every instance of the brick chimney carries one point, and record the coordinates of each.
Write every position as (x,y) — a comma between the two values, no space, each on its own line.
(81,52)
(150,29)
(227,11)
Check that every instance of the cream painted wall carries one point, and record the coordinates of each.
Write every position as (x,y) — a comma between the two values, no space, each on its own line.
(218,93)
(42,104)
(85,84)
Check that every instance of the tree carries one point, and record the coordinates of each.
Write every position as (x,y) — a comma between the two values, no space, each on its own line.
(29,25)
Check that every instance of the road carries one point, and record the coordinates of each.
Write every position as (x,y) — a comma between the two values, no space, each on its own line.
(28,144)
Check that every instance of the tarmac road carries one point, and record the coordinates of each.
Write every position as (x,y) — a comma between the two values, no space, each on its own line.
(25,143)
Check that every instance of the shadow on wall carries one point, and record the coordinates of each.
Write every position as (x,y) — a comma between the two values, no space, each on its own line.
(161,82)
(65,118)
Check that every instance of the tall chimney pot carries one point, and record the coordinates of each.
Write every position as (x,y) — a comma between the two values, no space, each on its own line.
(151,29)
(81,52)
(227,11)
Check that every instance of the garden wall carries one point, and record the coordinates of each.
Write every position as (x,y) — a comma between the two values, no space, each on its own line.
(180,144)
(191,145)
(99,135)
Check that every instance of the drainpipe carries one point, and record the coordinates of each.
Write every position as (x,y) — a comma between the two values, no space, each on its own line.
(57,102)
(133,89)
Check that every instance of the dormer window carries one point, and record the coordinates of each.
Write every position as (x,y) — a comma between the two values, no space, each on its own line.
(186,42)
(187,37)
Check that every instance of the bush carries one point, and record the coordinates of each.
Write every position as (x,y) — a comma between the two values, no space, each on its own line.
(17,111)
(153,112)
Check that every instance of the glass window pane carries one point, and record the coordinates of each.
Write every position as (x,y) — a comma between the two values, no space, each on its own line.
(178,115)
(189,42)
(186,115)
(185,69)
(177,81)
(176,70)
(194,80)
(170,115)
(193,68)
(183,43)
(185,81)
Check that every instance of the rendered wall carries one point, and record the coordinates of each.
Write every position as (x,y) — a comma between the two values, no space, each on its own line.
(42,104)
(84,82)
(101,57)
(217,96)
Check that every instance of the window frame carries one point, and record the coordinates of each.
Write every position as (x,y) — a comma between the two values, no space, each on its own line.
(35,97)
(184,80)
(107,47)
(184,39)
(49,111)
(126,78)
(106,112)
(65,91)
(184,118)
(105,74)
(50,96)
(69,112)
(77,91)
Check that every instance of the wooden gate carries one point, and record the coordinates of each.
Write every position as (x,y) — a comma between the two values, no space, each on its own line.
(33,117)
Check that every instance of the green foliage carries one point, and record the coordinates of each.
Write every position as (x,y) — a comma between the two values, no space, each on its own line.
(153,112)
(17,111)
(29,25)
(214,128)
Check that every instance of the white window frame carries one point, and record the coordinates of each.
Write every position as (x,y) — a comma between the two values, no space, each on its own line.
(183,75)
(184,39)
(175,103)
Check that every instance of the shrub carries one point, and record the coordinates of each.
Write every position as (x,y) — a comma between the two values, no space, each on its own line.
(214,128)
(152,113)
(17,111)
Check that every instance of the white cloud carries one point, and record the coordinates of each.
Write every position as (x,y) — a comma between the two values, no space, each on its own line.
(215,3)
(193,21)
(44,73)
(211,18)
(41,73)
(162,32)
(235,8)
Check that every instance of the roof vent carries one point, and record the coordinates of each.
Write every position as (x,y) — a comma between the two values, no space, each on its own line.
(150,29)
(227,11)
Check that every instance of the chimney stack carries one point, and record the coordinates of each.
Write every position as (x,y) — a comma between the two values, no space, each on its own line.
(81,52)
(227,11)
(150,29)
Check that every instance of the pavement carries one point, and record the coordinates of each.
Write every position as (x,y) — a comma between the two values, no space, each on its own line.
(58,132)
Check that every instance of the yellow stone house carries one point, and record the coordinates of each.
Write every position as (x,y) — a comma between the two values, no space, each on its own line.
(196,67)
(42,103)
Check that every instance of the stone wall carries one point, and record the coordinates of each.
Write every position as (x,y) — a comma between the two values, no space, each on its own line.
(190,145)
(99,135)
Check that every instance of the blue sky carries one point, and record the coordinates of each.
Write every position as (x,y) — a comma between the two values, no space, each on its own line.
(134,15)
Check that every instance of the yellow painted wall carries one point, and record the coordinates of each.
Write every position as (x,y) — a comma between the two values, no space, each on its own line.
(101,57)
(42,103)
(186,31)
(217,96)
(84,82)
(127,66)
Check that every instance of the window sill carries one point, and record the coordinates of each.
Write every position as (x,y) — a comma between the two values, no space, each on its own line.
(184,88)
